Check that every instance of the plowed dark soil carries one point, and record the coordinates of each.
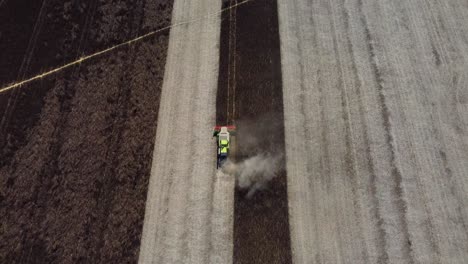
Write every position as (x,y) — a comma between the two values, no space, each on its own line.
(261,228)
(75,148)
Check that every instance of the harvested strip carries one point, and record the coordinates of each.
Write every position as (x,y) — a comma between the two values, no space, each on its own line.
(188,206)
(372,111)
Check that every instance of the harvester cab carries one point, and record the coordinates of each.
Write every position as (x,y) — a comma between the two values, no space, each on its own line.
(223,140)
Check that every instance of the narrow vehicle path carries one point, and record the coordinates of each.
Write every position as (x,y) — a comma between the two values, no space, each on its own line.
(188,216)
(250,95)
(376,139)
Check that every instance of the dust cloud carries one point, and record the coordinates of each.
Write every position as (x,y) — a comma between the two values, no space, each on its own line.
(259,155)
(255,172)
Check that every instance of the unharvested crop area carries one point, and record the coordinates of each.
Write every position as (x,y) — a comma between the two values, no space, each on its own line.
(75,148)
(250,68)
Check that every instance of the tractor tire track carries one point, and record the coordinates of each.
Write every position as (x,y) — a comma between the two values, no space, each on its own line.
(13,96)
(50,167)
(40,180)
(107,191)
(375,244)
(17,36)
(397,249)
(47,52)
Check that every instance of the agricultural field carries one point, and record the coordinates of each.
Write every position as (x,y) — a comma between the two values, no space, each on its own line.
(351,141)
(76,147)
(375,105)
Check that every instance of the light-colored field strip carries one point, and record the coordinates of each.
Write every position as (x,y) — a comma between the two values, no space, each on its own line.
(375,99)
(188,216)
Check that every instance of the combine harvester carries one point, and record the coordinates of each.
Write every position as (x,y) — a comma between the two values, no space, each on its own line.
(223,140)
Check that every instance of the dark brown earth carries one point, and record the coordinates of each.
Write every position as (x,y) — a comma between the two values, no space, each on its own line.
(75,148)
(261,228)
